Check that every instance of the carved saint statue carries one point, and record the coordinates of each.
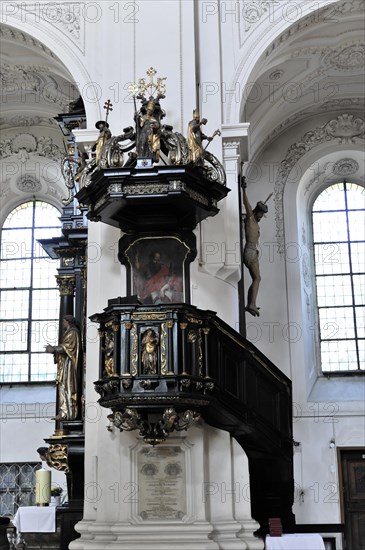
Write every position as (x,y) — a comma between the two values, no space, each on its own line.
(195,138)
(103,137)
(148,131)
(109,353)
(66,356)
(149,351)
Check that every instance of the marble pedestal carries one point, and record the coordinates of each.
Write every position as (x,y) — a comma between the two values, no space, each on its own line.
(191,493)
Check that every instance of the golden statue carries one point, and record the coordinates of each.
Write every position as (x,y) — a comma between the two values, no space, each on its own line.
(66,356)
(103,137)
(149,351)
(109,354)
(195,138)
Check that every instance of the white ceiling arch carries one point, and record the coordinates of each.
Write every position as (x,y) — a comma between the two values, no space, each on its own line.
(297,70)
(314,66)
(268,24)
(36,87)
(58,43)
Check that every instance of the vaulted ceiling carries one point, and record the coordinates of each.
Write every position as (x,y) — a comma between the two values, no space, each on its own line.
(35,84)
(35,87)
(316,66)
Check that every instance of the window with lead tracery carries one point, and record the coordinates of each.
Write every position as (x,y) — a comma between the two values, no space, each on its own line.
(338,218)
(29,304)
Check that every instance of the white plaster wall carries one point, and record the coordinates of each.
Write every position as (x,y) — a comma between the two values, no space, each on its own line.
(324,408)
(316,464)
(25,421)
(106,280)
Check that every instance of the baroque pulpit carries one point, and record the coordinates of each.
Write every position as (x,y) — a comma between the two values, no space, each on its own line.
(166,367)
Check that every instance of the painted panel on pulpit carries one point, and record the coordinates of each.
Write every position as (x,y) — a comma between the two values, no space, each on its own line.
(157,265)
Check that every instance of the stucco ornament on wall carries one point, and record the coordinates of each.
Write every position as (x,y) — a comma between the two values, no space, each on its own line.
(328,13)
(25,121)
(28,184)
(345,167)
(20,80)
(10,33)
(343,129)
(68,17)
(25,143)
(346,58)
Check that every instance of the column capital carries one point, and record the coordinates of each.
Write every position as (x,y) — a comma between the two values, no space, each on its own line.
(66,284)
(86,137)
(234,138)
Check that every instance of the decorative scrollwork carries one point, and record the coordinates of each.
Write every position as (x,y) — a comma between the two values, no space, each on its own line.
(109,353)
(200,357)
(185,382)
(163,348)
(127,383)
(57,457)
(215,171)
(154,432)
(99,388)
(194,320)
(114,153)
(134,361)
(174,146)
(209,386)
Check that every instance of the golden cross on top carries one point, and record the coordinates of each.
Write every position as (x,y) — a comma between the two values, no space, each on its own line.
(151,73)
(108,106)
(142,86)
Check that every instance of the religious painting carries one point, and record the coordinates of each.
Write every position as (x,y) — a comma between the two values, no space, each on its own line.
(157,266)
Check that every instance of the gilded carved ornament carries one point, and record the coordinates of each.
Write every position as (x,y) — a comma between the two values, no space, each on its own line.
(57,457)
(145,143)
(66,284)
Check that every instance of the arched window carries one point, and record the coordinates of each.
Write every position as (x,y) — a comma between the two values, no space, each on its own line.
(338,217)
(29,297)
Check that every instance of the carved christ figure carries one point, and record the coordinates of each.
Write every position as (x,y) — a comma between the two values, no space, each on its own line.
(250,252)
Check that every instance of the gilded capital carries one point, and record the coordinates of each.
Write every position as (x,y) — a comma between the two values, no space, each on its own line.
(66,284)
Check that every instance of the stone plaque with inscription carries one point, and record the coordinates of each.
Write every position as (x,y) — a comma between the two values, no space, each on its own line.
(161,483)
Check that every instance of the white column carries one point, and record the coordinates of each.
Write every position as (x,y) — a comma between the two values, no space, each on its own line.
(227,491)
(242,504)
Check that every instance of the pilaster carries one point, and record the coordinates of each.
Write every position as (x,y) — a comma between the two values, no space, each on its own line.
(234,153)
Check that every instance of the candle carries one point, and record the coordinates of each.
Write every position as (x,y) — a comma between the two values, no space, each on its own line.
(42,487)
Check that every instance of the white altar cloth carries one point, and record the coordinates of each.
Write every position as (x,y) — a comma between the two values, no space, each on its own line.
(35,519)
(297,541)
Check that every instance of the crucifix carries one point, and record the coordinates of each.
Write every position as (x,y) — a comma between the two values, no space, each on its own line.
(108,106)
